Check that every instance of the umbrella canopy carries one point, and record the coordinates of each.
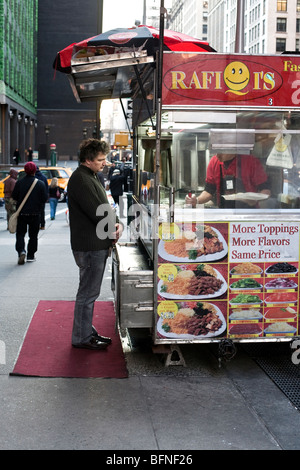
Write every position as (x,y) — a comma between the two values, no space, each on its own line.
(120,62)
(122,40)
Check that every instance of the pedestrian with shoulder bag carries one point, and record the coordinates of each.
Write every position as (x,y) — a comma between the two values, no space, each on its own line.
(30,194)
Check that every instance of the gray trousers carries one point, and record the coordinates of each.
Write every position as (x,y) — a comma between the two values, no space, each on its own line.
(91,269)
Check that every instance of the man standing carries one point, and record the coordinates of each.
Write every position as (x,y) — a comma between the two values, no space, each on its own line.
(90,244)
(229,174)
(30,213)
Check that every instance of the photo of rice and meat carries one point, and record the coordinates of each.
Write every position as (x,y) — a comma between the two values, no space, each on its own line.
(197,242)
(199,281)
(193,319)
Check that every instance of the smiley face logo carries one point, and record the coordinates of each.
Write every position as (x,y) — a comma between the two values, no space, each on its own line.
(236,77)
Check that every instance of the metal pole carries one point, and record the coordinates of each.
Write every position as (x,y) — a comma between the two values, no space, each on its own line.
(159,92)
(159,59)
(239,33)
(144,12)
(98,101)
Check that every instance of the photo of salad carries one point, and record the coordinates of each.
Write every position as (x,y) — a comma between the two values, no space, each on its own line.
(281,283)
(245,284)
(245,299)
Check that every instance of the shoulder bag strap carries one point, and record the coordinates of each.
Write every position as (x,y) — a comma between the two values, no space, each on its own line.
(27,196)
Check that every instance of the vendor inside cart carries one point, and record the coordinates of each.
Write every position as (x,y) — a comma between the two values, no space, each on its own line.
(229,178)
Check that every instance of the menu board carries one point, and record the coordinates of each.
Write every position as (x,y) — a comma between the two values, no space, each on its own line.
(234,280)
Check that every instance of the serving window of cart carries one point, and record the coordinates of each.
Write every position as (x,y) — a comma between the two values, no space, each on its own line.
(269,140)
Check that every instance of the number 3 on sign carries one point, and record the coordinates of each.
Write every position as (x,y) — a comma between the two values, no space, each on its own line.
(270,101)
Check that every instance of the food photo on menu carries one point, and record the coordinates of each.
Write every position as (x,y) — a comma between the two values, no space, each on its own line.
(192,281)
(282,268)
(191,320)
(246,330)
(246,269)
(193,242)
(280,329)
(263,300)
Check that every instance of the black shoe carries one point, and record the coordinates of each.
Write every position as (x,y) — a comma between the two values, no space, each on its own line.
(22,256)
(94,344)
(104,339)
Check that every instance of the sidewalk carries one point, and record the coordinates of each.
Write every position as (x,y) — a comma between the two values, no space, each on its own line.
(200,406)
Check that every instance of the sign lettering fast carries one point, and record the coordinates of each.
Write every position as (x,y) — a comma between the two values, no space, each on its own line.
(236,80)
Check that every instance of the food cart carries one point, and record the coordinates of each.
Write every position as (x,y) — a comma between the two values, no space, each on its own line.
(227,269)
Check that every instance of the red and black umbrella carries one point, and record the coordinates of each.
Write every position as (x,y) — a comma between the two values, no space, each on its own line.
(126,40)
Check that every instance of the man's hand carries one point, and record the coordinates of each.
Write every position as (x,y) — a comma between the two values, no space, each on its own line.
(191,200)
(118,233)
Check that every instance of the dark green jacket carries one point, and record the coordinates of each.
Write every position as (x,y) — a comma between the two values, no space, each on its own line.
(86,196)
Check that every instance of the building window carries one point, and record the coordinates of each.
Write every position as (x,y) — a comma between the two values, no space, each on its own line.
(298,6)
(281,5)
(297,25)
(280,45)
(281,25)
(297,47)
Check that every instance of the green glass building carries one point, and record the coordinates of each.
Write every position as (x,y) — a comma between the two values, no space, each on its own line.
(18,77)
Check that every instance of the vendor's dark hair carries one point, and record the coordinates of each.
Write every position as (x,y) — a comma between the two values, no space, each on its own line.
(90,148)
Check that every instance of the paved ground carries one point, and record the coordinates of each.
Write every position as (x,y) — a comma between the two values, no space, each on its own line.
(197,407)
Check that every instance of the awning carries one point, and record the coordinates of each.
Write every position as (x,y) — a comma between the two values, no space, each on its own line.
(113,64)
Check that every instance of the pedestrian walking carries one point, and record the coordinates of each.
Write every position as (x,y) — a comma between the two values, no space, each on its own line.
(54,196)
(116,188)
(101,178)
(16,157)
(9,184)
(29,218)
(40,176)
(94,229)
(30,154)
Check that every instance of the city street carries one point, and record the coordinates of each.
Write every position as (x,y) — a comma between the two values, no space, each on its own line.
(200,406)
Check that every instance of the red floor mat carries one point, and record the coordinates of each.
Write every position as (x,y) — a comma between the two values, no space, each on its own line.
(47,350)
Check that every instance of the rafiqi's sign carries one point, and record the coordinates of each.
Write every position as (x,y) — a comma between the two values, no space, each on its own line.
(231,80)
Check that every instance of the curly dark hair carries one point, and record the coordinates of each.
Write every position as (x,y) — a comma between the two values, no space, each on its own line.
(90,148)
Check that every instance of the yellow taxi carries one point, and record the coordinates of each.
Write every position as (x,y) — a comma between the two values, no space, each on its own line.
(60,172)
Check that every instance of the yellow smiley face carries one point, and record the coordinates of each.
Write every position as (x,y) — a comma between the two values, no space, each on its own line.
(236,76)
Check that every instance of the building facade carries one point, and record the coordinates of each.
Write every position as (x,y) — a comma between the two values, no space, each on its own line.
(189,17)
(272,27)
(61,120)
(18,77)
(152,11)
(267,26)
